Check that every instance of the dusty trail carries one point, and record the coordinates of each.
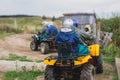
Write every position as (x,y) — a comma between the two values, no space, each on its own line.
(19,44)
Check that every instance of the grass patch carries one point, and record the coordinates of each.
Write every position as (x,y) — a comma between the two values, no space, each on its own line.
(22,75)
(109,60)
(11,75)
(4,34)
(20,58)
(14,57)
(39,61)
(109,72)
(115,78)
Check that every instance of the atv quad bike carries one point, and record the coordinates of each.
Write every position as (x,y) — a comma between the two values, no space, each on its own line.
(84,19)
(69,66)
(45,44)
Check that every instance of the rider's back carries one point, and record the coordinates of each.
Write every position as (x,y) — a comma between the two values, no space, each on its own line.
(69,38)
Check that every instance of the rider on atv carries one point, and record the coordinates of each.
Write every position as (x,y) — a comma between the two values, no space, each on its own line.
(68,37)
(49,29)
(85,35)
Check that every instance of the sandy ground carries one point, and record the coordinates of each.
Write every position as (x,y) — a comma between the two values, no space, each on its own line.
(19,44)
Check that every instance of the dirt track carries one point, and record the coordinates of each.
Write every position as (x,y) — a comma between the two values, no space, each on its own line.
(19,44)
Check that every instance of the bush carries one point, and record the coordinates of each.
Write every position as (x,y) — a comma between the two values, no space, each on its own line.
(110,53)
(112,25)
(111,50)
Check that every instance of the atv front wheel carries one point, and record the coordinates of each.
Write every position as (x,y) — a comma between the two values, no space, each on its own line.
(33,46)
(49,71)
(87,72)
(44,48)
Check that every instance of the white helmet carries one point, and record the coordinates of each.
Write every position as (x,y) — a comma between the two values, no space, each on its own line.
(47,24)
(50,23)
(67,25)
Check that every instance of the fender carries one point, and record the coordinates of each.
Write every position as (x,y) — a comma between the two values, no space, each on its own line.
(35,38)
(94,49)
(80,60)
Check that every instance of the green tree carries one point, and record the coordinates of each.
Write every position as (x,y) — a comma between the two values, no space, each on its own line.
(44,17)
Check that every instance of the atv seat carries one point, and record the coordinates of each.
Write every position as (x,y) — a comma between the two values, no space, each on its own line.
(64,49)
(65,54)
